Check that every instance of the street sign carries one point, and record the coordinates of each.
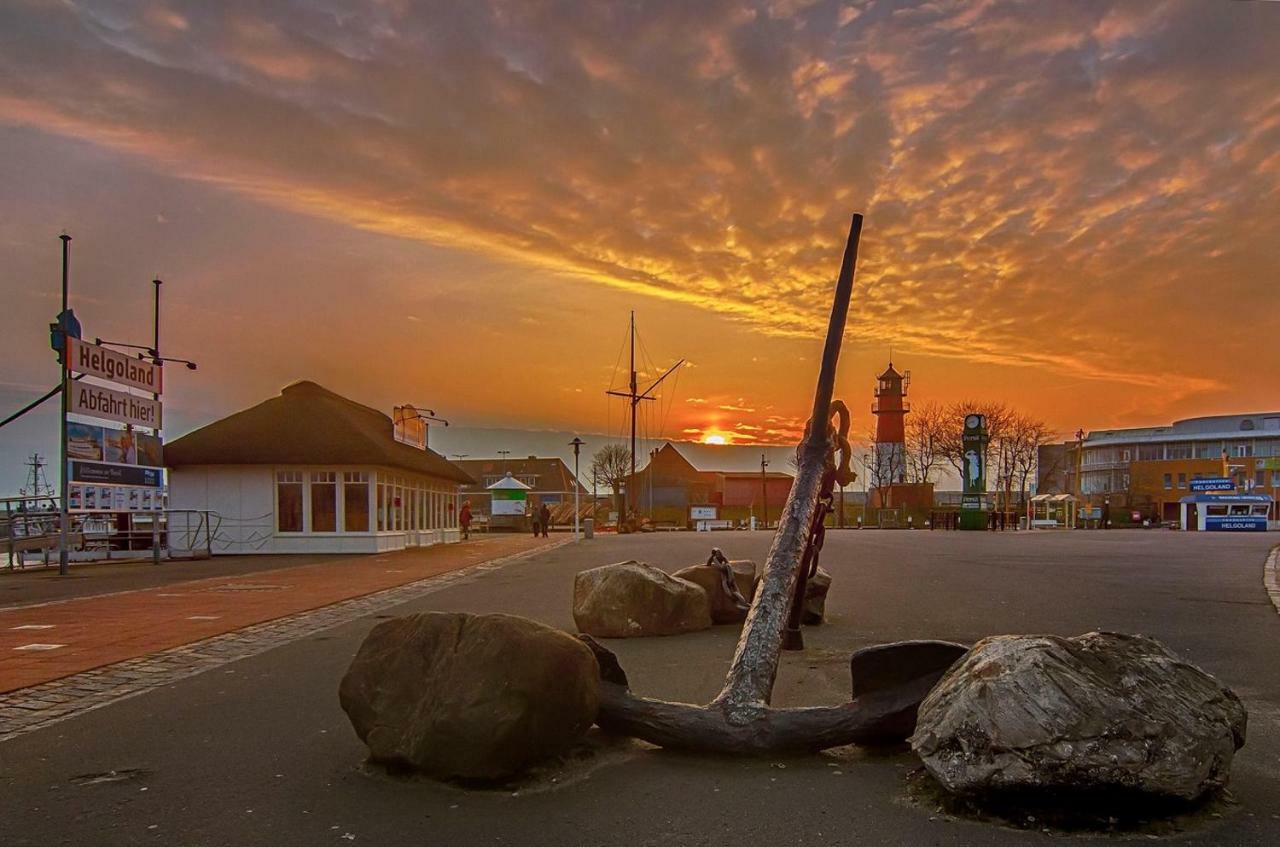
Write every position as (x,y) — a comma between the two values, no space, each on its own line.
(114,366)
(98,402)
(104,474)
(1213,483)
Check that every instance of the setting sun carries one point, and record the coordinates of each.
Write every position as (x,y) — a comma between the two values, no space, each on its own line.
(714,438)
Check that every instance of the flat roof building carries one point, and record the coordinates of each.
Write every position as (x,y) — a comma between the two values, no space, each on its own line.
(1149,470)
(311,471)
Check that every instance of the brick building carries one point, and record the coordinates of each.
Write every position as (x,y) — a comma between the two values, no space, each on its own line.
(670,485)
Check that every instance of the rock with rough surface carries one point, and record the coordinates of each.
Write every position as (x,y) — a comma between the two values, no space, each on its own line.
(724,607)
(631,599)
(1100,711)
(815,598)
(469,696)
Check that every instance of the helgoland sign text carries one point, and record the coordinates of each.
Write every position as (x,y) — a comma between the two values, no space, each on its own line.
(114,366)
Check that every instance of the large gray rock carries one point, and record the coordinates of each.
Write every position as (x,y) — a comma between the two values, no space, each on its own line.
(469,696)
(631,599)
(725,608)
(1098,711)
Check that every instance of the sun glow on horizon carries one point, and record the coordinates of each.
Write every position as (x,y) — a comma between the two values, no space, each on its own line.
(715,438)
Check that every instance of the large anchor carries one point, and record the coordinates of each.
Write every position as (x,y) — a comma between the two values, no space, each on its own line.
(837,470)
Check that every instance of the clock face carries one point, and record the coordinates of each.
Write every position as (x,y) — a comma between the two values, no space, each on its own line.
(973,421)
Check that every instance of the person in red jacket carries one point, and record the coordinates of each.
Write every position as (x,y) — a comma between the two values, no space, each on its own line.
(464,519)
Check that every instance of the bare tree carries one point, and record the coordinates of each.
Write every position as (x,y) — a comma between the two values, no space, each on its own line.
(926,440)
(1027,435)
(887,466)
(610,466)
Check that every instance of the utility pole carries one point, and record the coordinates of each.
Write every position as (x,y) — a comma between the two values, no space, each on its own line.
(764,490)
(576,443)
(634,396)
(64,517)
(159,362)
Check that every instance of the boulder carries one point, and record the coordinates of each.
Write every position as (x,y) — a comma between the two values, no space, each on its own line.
(815,598)
(469,696)
(884,667)
(725,608)
(1098,712)
(630,599)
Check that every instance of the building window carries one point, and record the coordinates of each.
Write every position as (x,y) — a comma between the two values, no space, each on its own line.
(289,501)
(1182,480)
(1260,478)
(355,502)
(1179,451)
(1275,479)
(382,506)
(1244,451)
(324,501)
(1168,481)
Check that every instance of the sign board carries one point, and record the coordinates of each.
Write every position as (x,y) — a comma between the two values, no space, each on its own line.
(114,366)
(1269,464)
(115,498)
(98,402)
(1212,483)
(508,501)
(702,513)
(1235,523)
(409,427)
(119,446)
(105,474)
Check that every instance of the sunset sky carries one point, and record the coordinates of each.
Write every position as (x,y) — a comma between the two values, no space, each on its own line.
(1070,206)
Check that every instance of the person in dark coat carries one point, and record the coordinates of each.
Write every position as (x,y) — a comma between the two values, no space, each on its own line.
(544,518)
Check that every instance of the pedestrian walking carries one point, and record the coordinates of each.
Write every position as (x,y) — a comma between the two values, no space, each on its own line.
(464,519)
(533,520)
(544,517)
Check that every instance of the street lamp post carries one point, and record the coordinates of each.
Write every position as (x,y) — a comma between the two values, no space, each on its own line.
(64,517)
(576,443)
(764,490)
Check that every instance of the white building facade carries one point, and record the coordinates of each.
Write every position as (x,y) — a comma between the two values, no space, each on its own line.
(362,490)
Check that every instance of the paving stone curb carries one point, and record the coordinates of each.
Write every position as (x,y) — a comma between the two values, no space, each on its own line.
(38,706)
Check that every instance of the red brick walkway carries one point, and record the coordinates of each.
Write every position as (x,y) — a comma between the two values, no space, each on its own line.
(90,632)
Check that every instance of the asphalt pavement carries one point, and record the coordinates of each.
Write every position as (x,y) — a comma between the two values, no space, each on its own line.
(259,752)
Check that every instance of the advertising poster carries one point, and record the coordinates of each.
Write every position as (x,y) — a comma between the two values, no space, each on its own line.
(150,450)
(84,441)
(76,501)
(90,498)
(120,446)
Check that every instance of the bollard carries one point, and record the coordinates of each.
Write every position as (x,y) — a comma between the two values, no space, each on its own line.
(589,528)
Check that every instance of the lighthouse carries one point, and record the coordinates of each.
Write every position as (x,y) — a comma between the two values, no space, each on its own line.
(890,408)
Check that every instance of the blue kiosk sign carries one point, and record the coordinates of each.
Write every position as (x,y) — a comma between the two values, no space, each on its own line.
(1213,483)
(1226,512)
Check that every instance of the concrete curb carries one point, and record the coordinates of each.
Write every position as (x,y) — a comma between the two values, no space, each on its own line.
(1271,577)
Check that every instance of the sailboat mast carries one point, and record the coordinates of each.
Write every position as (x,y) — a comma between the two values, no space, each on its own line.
(635,401)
